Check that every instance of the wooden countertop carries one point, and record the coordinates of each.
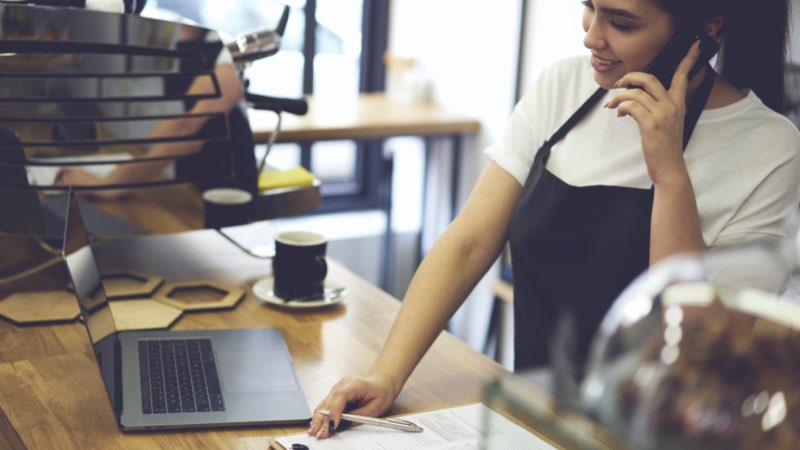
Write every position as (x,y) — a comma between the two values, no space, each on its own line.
(53,396)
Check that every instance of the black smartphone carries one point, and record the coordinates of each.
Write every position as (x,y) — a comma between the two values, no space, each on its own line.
(666,62)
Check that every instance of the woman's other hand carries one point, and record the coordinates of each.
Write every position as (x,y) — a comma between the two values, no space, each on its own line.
(366,396)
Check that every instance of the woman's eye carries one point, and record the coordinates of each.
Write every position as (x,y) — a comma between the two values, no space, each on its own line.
(588,4)
(619,25)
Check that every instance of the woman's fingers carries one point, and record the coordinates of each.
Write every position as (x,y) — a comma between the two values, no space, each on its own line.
(680,79)
(368,396)
(632,95)
(651,97)
(642,81)
(321,423)
(650,84)
(635,110)
(346,391)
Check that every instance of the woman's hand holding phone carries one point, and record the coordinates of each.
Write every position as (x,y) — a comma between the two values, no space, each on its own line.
(660,115)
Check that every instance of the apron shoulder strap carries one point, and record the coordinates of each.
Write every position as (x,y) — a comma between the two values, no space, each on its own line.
(697,104)
(575,117)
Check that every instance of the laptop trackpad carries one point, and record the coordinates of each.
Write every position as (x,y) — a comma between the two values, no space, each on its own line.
(255,370)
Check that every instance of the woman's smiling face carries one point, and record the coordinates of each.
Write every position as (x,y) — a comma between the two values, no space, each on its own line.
(624,36)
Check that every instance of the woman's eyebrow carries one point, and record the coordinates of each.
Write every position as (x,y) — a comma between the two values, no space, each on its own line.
(619,12)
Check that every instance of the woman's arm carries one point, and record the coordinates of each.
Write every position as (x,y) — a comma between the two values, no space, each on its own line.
(458,260)
(675,221)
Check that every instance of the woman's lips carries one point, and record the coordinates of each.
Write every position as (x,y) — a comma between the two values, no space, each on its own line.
(603,65)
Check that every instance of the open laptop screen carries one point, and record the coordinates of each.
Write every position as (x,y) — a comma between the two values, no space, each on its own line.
(95,310)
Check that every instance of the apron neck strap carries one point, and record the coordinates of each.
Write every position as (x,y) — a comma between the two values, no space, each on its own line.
(576,116)
(697,104)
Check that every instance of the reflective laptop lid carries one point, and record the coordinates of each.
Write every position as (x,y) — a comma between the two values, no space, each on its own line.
(95,310)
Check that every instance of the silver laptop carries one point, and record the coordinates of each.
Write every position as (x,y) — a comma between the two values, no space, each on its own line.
(181,379)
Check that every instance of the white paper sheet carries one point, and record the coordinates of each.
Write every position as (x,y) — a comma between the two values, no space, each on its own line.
(459,428)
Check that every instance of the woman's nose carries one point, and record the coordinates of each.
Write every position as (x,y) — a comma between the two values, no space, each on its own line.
(593,39)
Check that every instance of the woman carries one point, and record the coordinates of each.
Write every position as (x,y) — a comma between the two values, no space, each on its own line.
(617,189)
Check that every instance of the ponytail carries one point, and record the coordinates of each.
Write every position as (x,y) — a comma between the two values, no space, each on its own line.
(753,41)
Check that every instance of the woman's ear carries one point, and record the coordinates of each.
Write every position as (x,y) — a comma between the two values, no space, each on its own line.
(712,25)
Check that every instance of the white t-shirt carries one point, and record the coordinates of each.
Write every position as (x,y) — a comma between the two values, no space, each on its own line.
(743,159)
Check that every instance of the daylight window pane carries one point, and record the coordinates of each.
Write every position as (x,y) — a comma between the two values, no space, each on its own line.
(336,65)
(334,162)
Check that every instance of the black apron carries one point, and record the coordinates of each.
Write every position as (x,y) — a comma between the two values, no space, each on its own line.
(573,251)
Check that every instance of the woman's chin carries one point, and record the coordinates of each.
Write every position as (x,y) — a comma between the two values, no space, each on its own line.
(604,80)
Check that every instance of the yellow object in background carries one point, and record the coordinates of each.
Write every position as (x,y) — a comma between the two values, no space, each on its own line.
(298,176)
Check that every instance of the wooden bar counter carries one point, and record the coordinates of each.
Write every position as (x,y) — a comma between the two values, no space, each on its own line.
(52,396)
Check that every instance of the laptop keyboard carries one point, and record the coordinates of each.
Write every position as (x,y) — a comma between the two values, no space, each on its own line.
(179,375)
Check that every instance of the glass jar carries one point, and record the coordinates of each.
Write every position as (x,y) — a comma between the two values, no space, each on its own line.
(703,353)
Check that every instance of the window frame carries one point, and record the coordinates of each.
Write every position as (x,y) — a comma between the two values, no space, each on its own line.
(372,169)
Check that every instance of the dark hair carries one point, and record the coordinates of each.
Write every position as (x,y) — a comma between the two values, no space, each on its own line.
(752,41)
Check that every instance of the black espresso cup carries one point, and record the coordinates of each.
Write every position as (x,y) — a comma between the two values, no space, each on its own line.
(299,267)
(225,207)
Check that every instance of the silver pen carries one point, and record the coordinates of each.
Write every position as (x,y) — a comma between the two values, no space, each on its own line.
(397,424)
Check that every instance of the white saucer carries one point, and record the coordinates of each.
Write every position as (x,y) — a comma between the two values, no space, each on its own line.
(334,293)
